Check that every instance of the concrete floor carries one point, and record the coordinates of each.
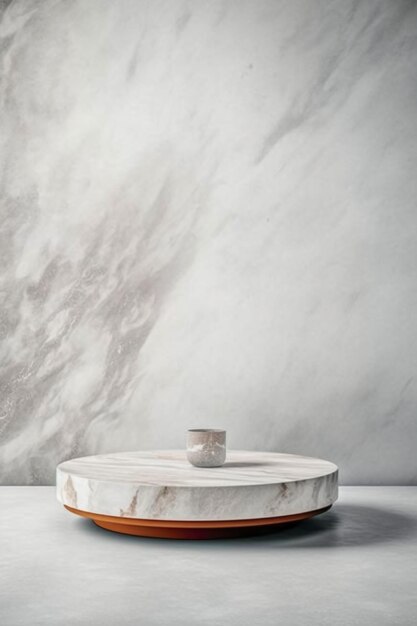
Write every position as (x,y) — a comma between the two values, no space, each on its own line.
(356,564)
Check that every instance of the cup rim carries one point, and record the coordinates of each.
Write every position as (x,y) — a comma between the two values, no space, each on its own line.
(206,430)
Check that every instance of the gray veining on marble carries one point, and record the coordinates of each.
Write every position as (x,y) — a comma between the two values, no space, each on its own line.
(170,468)
(208,219)
(163,485)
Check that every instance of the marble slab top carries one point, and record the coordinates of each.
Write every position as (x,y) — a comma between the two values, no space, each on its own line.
(162,485)
(170,468)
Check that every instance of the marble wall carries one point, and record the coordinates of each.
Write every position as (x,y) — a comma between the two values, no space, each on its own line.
(208,218)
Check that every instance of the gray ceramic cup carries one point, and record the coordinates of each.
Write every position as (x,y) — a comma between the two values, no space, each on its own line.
(206,447)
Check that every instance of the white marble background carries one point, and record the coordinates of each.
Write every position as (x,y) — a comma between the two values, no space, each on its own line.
(208,218)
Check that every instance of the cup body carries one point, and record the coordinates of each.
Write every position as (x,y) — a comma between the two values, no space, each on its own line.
(206,447)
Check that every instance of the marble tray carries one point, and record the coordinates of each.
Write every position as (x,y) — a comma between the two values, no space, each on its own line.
(159,493)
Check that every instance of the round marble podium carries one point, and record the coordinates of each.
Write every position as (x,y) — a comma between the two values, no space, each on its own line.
(159,494)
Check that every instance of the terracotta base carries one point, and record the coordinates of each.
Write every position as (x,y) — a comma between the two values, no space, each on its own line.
(193,530)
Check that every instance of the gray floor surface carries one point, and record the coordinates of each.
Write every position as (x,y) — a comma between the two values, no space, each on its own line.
(356,564)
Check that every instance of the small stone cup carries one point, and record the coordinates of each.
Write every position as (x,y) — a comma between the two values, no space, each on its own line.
(206,447)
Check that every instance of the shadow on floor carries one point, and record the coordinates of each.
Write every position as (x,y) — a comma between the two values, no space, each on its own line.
(343,526)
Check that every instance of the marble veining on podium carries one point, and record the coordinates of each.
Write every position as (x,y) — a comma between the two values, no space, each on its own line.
(162,485)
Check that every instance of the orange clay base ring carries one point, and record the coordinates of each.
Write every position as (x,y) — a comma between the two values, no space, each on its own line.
(164,529)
